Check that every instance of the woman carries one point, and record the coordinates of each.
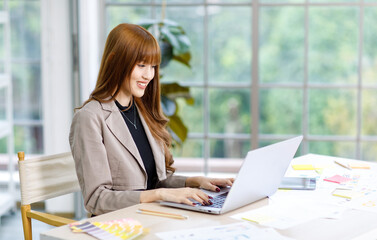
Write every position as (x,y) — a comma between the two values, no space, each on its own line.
(118,137)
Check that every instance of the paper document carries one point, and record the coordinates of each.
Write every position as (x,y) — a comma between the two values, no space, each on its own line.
(234,231)
(286,214)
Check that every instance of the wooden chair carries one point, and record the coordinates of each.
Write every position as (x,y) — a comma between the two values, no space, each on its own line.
(43,178)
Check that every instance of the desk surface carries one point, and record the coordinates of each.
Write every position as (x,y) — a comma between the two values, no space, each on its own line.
(354,224)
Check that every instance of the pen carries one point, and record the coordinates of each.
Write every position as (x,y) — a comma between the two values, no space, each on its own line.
(343,165)
(161,214)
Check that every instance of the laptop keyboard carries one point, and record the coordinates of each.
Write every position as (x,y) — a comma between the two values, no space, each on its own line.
(218,201)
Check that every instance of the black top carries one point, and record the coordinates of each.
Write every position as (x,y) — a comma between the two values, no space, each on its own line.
(132,119)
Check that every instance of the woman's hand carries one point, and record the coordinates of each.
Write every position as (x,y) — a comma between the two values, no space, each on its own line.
(189,193)
(211,184)
(178,195)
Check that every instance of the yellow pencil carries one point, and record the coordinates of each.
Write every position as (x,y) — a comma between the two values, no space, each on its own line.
(161,214)
(345,165)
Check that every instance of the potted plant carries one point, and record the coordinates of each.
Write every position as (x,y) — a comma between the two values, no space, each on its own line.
(175,46)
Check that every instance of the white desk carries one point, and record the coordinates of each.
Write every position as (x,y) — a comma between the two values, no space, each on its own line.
(354,224)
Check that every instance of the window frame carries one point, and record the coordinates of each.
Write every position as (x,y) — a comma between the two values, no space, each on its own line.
(255,85)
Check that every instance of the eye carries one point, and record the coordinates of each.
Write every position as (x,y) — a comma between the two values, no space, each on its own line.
(141,65)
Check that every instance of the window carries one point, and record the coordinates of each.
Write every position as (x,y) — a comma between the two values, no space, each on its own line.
(263,71)
(26,79)
(26,74)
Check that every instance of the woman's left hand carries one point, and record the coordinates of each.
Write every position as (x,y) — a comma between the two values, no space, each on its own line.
(212,184)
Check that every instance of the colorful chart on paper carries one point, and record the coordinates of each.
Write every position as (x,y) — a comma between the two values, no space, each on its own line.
(126,228)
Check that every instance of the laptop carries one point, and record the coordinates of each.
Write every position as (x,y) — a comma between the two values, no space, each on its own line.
(259,176)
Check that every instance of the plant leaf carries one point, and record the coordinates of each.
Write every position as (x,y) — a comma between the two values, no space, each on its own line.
(190,101)
(169,37)
(169,22)
(166,53)
(169,107)
(184,44)
(147,23)
(174,90)
(179,129)
(183,58)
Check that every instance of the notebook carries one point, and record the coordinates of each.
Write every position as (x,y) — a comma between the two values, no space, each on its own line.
(259,176)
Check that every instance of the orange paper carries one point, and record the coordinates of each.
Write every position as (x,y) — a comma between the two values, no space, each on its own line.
(359,166)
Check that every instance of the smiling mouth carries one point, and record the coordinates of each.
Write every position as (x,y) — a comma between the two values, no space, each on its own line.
(142,84)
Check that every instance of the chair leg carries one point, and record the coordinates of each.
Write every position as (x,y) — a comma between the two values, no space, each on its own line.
(26,222)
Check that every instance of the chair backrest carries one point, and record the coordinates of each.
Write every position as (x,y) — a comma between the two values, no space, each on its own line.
(46,177)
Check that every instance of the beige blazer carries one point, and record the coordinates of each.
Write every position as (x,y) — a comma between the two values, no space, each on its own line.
(109,167)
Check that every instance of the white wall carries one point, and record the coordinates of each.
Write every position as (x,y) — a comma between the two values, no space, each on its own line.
(90,44)
(56,85)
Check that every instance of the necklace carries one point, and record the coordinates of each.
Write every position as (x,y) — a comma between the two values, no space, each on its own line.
(134,122)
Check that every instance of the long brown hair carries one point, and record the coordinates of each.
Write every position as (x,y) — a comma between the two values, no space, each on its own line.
(126,46)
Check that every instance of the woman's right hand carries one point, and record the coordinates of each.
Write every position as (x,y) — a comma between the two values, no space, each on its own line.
(178,195)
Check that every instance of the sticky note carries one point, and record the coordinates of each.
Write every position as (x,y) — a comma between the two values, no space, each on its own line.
(303,167)
(359,166)
(346,193)
(337,179)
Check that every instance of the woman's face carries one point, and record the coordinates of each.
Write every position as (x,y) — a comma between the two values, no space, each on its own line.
(141,75)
